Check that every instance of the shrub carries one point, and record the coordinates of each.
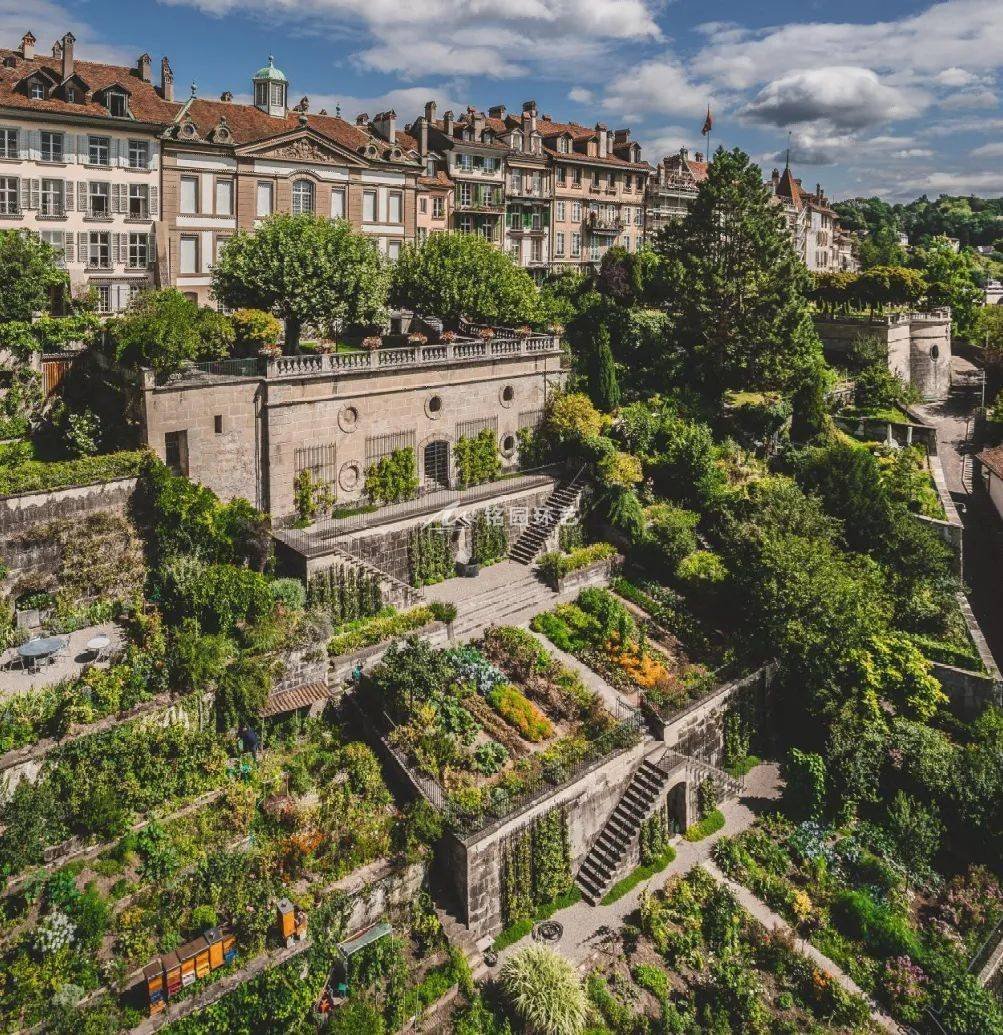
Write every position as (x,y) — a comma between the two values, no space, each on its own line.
(702,569)
(38,476)
(619,470)
(443,611)
(517,710)
(291,593)
(670,533)
(393,478)
(556,565)
(544,991)
(217,595)
(883,931)
(489,757)
(710,824)
(367,632)
(255,329)
(477,459)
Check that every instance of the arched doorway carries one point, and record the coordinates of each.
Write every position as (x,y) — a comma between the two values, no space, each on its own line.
(676,801)
(436,464)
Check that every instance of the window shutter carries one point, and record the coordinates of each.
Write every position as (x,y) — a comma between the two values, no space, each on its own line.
(119,189)
(115,152)
(36,190)
(69,248)
(68,192)
(82,150)
(23,144)
(25,195)
(121,248)
(154,202)
(151,244)
(82,252)
(82,196)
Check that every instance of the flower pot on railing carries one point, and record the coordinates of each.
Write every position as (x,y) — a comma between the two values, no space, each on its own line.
(523,331)
(486,333)
(448,337)
(371,342)
(270,351)
(417,338)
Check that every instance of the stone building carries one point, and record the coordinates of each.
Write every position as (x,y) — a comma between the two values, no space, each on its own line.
(671,191)
(249,433)
(228,165)
(80,162)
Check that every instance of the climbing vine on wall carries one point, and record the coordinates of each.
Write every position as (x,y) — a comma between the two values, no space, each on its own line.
(489,538)
(655,833)
(345,592)
(477,460)
(429,555)
(536,866)
(737,737)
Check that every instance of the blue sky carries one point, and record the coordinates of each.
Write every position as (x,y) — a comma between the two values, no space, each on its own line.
(896,98)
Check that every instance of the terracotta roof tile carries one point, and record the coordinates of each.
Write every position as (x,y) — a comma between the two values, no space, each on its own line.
(440,179)
(993,459)
(281,701)
(790,190)
(145,102)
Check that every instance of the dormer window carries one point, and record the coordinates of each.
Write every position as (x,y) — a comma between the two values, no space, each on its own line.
(71,95)
(36,90)
(117,105)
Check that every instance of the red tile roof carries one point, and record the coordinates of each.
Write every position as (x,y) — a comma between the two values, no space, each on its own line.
(440,179)
(993,459)
(145,102)
(790,190)
(281,701)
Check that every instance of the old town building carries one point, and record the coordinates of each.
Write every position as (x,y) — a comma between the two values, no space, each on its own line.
(228,165)
(671,190)
(80,162)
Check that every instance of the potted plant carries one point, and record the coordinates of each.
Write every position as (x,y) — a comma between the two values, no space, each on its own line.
(487,333)
(555,328)
(524,331)
(448,337)
(372,342)
(270,351)
(417,338)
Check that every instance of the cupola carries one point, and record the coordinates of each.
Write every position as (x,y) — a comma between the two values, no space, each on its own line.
(271,89)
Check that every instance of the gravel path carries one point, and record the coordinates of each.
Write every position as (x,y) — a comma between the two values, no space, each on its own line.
(773,921)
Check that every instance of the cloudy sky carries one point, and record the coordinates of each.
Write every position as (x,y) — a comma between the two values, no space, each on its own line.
(889,97)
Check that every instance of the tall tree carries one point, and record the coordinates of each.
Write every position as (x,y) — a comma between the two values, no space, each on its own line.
(29,272)
(736,291)
(605,386)
(452,275)
(305,269)
(952,278)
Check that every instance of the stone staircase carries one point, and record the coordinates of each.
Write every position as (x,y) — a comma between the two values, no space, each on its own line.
(605,857)
(559,504)
(728,786)
(512,602)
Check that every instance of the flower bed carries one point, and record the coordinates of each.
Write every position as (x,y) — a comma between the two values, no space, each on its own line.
(599,631)
(491,723)
(698,962)
(853,899)
(558,566)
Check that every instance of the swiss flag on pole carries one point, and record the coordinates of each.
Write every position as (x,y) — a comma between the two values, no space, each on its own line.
(708,123)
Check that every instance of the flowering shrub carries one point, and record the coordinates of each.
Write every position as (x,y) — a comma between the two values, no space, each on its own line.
(448,337)
(417,338)
(524,331)
(904,984)
(972,901)
(486,333)
(54,933)
(371,342)
(515,708)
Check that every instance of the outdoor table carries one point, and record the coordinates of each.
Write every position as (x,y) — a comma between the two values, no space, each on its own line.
(38,649)
(97,644)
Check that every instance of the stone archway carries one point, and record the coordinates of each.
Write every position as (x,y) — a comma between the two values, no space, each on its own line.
(677,801)
(435,463)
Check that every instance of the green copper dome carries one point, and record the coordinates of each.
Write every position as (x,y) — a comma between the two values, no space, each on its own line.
(276,75)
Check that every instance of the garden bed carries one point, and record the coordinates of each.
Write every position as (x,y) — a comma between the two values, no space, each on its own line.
(45,475)
(696,961)
(484,727)
(906,944)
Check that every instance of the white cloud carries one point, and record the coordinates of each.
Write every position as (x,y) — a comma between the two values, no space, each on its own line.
(842,96)
(662,85)
(994,150)
(580,95)
(51,21)
(970,99)
(668,140)
(955,77)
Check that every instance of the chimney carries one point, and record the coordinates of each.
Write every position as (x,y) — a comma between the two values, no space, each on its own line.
(226,97)
(698,156)
(28,42)
(775,178)
(430,111)
(166,80)
(68,41)
(478,117)
(601,136)
(57,50)
(362,118)
(447,123)
(422,125)
(529,107)
(143,67)
(386,125)
(684,154)
(497,111)
(621,136)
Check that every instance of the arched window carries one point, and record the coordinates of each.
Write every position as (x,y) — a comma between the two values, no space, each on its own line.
(302,196)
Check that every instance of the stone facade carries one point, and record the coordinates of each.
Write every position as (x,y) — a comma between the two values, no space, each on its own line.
(250,436)
(918,345)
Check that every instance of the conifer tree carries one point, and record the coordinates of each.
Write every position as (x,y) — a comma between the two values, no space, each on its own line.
(605,386)
(735,289)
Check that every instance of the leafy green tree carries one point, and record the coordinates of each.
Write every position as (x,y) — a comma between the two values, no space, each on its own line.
(166,331)
(305,269)
(619,276)
(952,278)
(882,248)
(737,291)
(605,386)
(987,332)
(29,273)
(450,275)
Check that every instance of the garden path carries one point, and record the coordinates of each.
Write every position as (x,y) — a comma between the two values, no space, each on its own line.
(16,680)
(773,921)
(585,925)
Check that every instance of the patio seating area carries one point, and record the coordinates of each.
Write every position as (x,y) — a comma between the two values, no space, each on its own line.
(47,659)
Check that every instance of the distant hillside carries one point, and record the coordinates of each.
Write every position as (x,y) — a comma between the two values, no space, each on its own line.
(972,220)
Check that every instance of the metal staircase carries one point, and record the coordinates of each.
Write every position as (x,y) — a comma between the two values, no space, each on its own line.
(559,505)
(606,855)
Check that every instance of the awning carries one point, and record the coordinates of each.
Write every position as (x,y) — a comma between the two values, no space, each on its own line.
(367,937)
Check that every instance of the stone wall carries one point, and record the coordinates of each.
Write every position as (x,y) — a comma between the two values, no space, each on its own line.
(20,514)
(597,574)
(471,866)
(970,692)
(698,730)
(918,345)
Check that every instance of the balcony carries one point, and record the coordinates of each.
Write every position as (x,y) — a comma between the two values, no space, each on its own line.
(532,193)
(597,225)
(486,206)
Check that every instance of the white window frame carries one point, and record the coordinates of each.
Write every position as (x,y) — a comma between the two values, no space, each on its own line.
(338,205)
(263,189)
(191,182)
(10,195)
(138,249)
(7,135)
(51,200)
(224,193)
(559,243)
(369,206)
(139,154)
(54,143)
(140,193)
(95,191)
(395,199)
(96,146)
(98,242)
(193,240)
(304,197)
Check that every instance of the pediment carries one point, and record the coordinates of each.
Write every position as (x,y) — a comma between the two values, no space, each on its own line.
(302,148)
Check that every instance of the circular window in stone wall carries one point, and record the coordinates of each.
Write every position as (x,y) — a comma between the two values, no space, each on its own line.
(508,445)
(507,395)
(348,419)
(433,407)
(349,477)
(935,352)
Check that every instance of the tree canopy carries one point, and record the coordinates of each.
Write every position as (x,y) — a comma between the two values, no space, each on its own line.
(736,291)
(305,269)
(29,272)
(452,275)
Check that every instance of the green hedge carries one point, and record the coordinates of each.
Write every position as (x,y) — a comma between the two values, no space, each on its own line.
(557,565)
(367,632)
(42,475)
